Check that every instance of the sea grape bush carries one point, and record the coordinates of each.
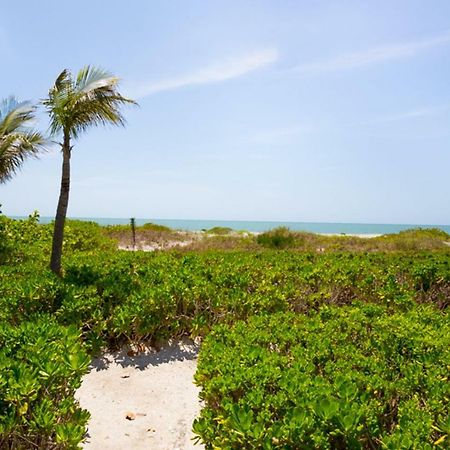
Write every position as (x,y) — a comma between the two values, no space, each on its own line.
(25,240)
(108,297)
(120,296)
(412,240)
(41,364)
(280,237)
(220,230)
(144,296)
(340,378)
(21,239)
(84,236)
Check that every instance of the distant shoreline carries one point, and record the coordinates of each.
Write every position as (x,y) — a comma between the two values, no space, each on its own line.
(326,228)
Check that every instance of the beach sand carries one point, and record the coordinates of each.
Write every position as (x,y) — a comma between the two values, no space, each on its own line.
(362,236)
(154,389)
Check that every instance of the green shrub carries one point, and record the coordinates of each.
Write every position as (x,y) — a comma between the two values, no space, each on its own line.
(342,378)
(191,292)
(424,232)
(82,235)
(220,230)
(414,240)
(155,227)
(111,297)
(34,294)
(6,243)
(277,238)
(41,364)
(138,296)
(22,240)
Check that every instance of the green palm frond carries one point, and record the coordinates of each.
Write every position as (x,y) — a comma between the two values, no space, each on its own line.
(90,99)
(63,80)
(17,140)
(91,78)
(14,115)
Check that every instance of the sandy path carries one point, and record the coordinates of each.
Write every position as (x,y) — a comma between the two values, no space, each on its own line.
(157,387)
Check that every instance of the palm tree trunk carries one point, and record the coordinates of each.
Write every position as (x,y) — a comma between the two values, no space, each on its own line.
(61,211)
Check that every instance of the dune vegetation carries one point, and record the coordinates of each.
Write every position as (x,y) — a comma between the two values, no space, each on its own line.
(326,343)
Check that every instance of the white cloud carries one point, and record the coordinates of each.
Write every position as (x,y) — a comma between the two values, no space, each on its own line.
(413,114)
(372,56)
(214,73)
(416,113)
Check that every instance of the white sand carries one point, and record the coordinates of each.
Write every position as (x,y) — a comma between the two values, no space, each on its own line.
(155,387)
(155,246)
(363,236)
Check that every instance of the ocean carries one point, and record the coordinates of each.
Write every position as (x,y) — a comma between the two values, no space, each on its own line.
(315,227)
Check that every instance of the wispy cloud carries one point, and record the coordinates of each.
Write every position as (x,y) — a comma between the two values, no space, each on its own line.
(213,73)
(279,136)
(416,113)
(372,56)
(412,114)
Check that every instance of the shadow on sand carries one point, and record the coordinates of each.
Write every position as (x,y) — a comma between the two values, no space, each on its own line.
(178,350)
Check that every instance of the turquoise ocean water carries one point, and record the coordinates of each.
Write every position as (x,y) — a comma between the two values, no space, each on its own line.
(319,227)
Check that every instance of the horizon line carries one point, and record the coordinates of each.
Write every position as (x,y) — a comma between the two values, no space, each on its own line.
(84,218)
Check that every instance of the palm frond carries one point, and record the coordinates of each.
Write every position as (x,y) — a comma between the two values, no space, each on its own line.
(17,140)
(63,80)
(91,78)
(7,105)
(91,99)
(15,115)
(15,149)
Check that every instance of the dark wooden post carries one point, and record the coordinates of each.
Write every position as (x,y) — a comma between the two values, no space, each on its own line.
(133,231)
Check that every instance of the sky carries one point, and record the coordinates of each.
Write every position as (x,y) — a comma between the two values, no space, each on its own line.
(305,111)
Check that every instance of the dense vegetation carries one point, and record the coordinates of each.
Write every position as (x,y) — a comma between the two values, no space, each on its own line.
(344,377)
(390,309)
(41,364)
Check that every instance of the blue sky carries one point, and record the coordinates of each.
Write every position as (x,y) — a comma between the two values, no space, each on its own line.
(252,110)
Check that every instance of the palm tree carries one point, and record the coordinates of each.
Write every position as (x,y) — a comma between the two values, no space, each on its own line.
(74,105)
(18,141)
